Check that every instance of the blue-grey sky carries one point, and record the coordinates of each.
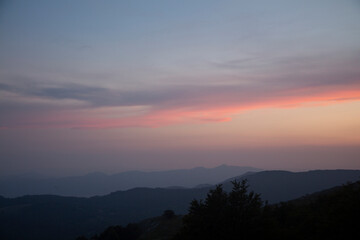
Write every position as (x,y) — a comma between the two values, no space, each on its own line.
(97,82)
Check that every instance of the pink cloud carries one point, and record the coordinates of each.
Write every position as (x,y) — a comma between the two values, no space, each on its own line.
(207,111)
(193,106)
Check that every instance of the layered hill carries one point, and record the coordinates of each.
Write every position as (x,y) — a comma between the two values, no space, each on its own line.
(100,184)
(328,214)
(276,186)
(40,217)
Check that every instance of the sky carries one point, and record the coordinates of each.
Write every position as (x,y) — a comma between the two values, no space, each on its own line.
(113,86)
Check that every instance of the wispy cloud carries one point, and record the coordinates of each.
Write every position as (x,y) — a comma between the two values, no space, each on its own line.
(289,82)
(198,105)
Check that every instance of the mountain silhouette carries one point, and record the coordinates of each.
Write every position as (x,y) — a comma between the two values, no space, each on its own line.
(39,217)
(98,183)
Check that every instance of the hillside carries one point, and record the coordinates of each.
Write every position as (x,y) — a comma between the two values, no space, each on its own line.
(277,186)
(328,214)
(39,217)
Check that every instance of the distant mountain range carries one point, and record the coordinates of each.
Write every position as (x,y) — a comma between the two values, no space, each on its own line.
(39,217)
(100,184)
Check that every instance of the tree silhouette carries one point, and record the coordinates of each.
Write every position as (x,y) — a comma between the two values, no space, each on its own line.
(240,214)
(169,214)
(234,215)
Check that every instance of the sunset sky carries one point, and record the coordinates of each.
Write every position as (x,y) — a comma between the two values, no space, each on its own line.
(113,86)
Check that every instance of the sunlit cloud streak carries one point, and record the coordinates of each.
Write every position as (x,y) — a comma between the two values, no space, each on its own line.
(257,83)
(79,106)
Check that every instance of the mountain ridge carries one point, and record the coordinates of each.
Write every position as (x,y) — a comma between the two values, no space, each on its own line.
(97,183)
(42,215)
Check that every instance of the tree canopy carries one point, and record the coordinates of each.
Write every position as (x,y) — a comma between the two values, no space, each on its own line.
(222,215)
(240,214)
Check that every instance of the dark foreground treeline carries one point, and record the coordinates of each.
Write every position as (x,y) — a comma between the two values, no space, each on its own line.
(241,214)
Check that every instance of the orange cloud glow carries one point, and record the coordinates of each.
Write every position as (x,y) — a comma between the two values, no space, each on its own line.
(209,109)
(198,114)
